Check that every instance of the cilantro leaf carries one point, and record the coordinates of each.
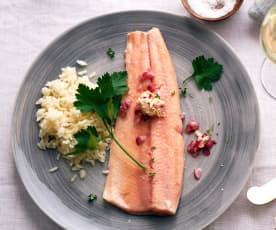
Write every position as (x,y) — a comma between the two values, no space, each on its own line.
(113,108)
(105,101)
(87,139)
(206,72)
(85,96)
(113,84)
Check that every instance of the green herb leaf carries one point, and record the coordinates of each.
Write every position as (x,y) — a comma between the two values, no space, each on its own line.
(157,96)
(114,84)
(105,100)
(86,139)
(110,52)
(190,95)
(206,72)
(92,197)
(210,130)
(183,91)
(84,97)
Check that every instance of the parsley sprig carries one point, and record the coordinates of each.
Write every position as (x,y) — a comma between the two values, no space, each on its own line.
(206,72)
(105,101)
(86,139)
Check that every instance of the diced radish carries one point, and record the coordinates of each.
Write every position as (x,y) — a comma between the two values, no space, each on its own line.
(206,151)
(210,143)
(151,87)
(182,116)
(193,147)
(203,142)
(125,104)
(146,76)
(191,126)
(197,173)
(140,139)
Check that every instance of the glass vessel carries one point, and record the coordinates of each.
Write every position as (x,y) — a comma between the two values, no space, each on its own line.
(268,42)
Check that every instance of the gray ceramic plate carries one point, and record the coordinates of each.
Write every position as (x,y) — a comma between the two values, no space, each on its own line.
(233,105)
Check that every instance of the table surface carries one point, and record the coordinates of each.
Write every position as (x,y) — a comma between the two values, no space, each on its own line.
(27,27)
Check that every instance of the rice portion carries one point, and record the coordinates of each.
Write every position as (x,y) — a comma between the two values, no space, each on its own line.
(59,120)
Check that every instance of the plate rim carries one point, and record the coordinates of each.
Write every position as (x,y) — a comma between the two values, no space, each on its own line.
(61,223)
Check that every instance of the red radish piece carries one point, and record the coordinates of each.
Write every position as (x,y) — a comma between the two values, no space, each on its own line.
(203,142)
(182,116)
(193,148)
(125,104)
(191,126)
(206,151)
(197,173)
(151,87)
(146,76)
(140,139)
(210,143)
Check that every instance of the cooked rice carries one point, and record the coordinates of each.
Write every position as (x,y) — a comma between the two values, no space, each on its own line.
(82,73)
(82,63)
(59,120)
(54,169)
(82,173)
(73,178)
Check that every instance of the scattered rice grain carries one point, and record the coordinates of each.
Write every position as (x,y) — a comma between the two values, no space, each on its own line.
(75,168)
(58,157)
(82,173)
(73,178)
(92,76)
(82,73)
(81,63)
(54,169)
(105,172)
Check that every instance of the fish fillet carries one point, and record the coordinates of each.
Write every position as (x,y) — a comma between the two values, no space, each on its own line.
(127,186)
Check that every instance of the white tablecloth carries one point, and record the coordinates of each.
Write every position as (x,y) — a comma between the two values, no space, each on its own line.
(28,26)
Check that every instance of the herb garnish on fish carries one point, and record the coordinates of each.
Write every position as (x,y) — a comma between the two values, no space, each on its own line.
(105,101)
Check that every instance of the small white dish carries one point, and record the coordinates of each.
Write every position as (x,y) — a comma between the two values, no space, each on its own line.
(264,194)
(195,14)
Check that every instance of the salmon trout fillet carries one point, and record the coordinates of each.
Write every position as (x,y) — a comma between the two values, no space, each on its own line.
(158,189)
